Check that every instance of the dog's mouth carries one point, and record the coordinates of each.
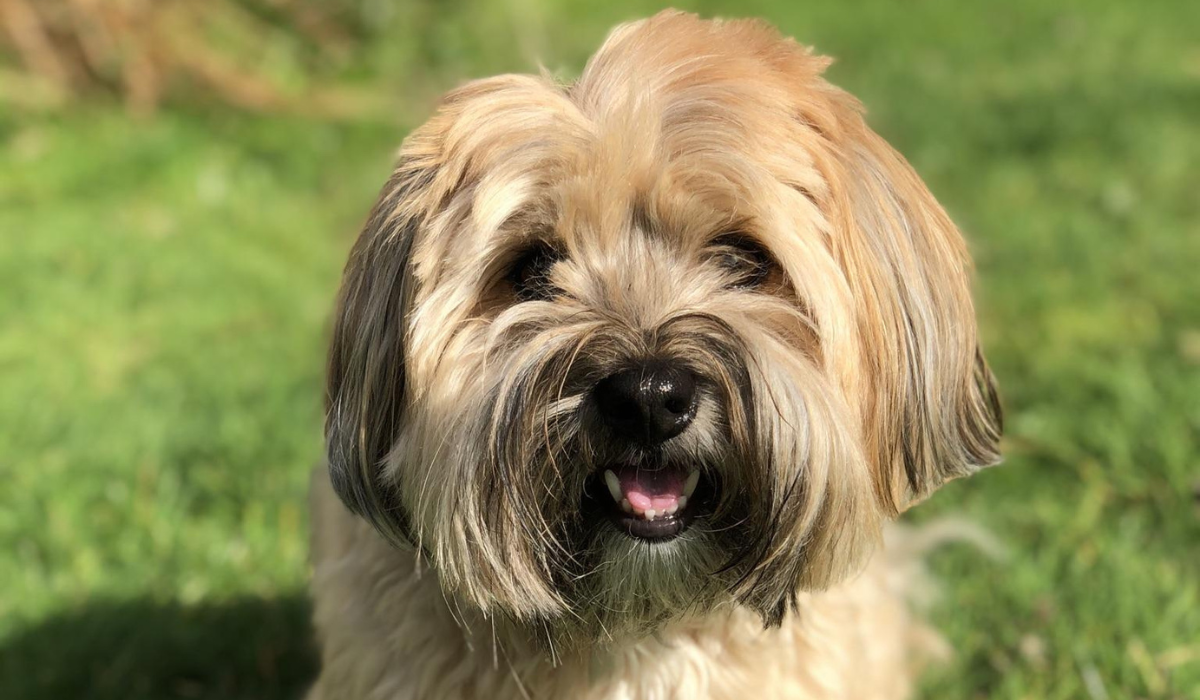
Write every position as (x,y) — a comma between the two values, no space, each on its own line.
(649,503)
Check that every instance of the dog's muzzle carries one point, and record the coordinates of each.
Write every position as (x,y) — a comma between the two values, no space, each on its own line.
(645,406)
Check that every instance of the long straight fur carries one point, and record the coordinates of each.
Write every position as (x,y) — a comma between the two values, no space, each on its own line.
(699,197)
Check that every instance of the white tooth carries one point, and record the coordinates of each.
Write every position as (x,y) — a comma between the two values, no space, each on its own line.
(626,505)
(682,502)
(650,513)
(614,484)
(672,508)
(690,485)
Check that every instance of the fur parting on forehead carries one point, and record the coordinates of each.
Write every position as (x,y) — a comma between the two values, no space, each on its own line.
(705,89)
(652,108)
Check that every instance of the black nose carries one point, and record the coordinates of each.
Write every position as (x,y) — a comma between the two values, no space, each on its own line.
(650,403)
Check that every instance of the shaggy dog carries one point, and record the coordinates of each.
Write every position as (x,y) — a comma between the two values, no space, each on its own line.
(626,378)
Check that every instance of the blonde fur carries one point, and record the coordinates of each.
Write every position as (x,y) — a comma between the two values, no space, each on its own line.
(845,387)
(388,631)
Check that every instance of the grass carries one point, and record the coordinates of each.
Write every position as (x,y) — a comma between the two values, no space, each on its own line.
(165,289)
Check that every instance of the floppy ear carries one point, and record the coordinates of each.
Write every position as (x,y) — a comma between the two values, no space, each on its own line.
(366,373)
(931,412)
(477,127)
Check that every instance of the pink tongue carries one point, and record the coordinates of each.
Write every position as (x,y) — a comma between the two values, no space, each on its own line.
(646,490)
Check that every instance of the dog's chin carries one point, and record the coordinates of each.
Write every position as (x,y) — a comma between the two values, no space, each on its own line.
(642,570)
(651,504)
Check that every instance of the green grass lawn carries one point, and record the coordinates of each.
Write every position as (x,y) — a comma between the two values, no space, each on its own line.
(165,290)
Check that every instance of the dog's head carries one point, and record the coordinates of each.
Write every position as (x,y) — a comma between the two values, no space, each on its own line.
(682,333)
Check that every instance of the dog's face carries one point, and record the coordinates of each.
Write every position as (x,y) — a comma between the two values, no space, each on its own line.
(680,334)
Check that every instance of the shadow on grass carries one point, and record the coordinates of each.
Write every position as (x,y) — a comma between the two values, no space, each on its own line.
(244,648)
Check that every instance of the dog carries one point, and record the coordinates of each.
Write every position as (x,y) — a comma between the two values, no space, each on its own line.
(627,377)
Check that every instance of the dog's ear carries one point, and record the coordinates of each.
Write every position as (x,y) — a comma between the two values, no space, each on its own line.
(365,387)
(366,384)
(931,412)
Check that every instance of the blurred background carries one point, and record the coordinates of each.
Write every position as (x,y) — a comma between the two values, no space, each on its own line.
(180,182)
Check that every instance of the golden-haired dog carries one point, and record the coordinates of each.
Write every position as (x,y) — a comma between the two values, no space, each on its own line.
(627,377)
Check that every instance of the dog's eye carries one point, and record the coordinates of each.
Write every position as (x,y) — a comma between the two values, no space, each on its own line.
(530,272)
(749,264)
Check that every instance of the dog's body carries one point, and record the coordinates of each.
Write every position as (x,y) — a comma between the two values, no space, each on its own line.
(388,631)
(627,377)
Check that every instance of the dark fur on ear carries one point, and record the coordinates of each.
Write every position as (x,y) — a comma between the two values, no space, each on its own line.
(366,376)
(366,386)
